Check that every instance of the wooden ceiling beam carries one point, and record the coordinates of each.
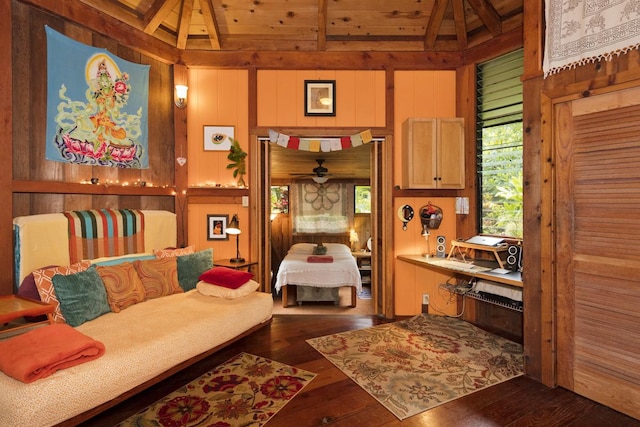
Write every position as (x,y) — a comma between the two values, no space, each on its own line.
(460,23)
(185,21)
(322,24)
(488,15)
(211,23)
(435,21)
(156,14)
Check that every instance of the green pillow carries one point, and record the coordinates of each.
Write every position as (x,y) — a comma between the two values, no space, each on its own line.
(191,266)
(82,296)
(320,250)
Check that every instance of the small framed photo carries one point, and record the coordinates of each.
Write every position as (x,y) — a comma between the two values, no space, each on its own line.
(217,227)
(319,97)
(218,138)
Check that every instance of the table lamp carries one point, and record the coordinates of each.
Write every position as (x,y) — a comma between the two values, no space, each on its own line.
(234,228)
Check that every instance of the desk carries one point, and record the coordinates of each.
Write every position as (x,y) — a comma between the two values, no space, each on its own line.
(511,279)
(506,322)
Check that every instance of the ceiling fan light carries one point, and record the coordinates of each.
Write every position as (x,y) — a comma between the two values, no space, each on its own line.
(320,179)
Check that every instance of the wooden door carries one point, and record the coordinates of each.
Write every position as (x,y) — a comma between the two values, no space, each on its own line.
(597,153)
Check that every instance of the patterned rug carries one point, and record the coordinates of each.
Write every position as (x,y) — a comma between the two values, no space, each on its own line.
(246,390)
(414,365)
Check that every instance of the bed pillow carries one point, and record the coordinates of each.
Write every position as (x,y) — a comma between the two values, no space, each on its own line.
(191,266)
(221,292)
(302,248)
(82,296)
(226,277)
(159,276)
(43,277)
(171,252)
(123,285)
(320,249)
(337,249)
(28,289)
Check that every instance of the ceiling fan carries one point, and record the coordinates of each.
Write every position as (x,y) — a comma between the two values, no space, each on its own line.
(320,173)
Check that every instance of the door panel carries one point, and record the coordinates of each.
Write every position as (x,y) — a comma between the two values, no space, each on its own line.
(598,256)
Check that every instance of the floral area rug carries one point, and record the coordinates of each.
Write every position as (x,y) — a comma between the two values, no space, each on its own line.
(414,365)
(246,390)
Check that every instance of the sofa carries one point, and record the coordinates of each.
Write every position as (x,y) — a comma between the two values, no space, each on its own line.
(145,338)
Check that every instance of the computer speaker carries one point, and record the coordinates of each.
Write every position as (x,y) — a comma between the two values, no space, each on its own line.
(441,246)
(514,258)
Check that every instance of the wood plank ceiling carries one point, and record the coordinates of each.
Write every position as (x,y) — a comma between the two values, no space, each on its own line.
(318,25)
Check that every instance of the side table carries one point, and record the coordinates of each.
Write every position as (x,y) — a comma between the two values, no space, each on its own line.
(13,307)
(234,265)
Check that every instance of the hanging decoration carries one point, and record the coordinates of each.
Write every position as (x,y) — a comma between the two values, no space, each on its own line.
(322,196)
(581,32)
(96,106)
(320,144)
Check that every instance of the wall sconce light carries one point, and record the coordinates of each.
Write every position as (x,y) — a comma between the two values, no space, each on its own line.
(181,96)
(234,228)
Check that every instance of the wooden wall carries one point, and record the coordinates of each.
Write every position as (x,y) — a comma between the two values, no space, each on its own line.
(35,185)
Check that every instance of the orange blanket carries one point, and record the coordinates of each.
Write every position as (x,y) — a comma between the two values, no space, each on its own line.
(41,352)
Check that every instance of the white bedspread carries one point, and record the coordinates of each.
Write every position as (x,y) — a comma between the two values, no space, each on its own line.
(295,270)
(141,342)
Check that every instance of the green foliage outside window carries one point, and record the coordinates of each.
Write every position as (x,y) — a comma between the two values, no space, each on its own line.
(501,180)
(362,199)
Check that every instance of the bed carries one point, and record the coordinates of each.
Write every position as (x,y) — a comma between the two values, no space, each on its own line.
(318,281)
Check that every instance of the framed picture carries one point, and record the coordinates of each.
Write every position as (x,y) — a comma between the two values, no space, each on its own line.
(319,97)
(218,138)
(279,199)
(217,227)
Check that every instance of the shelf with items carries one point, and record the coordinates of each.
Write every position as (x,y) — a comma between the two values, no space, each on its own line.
(363,259)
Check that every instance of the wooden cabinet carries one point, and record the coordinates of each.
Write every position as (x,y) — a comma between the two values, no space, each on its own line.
(433,153)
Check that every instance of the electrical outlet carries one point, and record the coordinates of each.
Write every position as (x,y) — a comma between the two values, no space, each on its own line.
(425,299)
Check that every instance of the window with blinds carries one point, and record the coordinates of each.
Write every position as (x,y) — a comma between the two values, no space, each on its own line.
(499,145)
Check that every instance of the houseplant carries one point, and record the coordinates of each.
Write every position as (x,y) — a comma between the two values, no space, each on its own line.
(237,157)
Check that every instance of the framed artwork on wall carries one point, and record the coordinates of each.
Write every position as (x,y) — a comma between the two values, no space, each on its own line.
(218,138)
(217,227)
(319,97)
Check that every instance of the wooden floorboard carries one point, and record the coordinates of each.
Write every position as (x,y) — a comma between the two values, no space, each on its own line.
(333,399)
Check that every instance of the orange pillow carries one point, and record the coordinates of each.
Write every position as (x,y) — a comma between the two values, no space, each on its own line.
(159,276)
(44,282)
(168,252)
(226,277)
(123,285)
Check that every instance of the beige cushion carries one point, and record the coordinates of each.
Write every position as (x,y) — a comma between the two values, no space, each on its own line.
(221,292)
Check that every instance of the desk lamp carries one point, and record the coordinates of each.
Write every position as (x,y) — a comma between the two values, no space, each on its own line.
(234,228)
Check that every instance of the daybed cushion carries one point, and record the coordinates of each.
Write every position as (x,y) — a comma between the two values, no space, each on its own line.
(191,266)
(45,287)
(123,285)
(82,296)
(226,277)
(159,276)
(171,252)
(221,292)
(141,342)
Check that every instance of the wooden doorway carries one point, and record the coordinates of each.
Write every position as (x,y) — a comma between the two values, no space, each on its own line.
(597,181)
(381,168)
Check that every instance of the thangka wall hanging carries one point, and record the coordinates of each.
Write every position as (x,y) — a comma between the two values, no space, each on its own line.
(320,144)
(96,106)
(583,31)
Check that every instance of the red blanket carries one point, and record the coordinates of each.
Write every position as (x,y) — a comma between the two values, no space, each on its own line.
(319,258)
(41,352)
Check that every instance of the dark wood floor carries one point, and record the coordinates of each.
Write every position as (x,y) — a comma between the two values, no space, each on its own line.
(333,399)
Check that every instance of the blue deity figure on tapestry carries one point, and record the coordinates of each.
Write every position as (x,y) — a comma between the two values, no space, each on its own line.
(96,106)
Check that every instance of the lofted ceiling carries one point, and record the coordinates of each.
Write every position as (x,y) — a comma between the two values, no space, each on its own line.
(317,25)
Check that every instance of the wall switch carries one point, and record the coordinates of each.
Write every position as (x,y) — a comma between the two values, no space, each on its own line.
(425,299)
(245,201)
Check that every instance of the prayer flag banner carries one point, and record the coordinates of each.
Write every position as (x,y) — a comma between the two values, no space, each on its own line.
(96,106)
(324,145)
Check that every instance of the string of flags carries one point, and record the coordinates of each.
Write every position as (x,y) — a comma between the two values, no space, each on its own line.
(320,144)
